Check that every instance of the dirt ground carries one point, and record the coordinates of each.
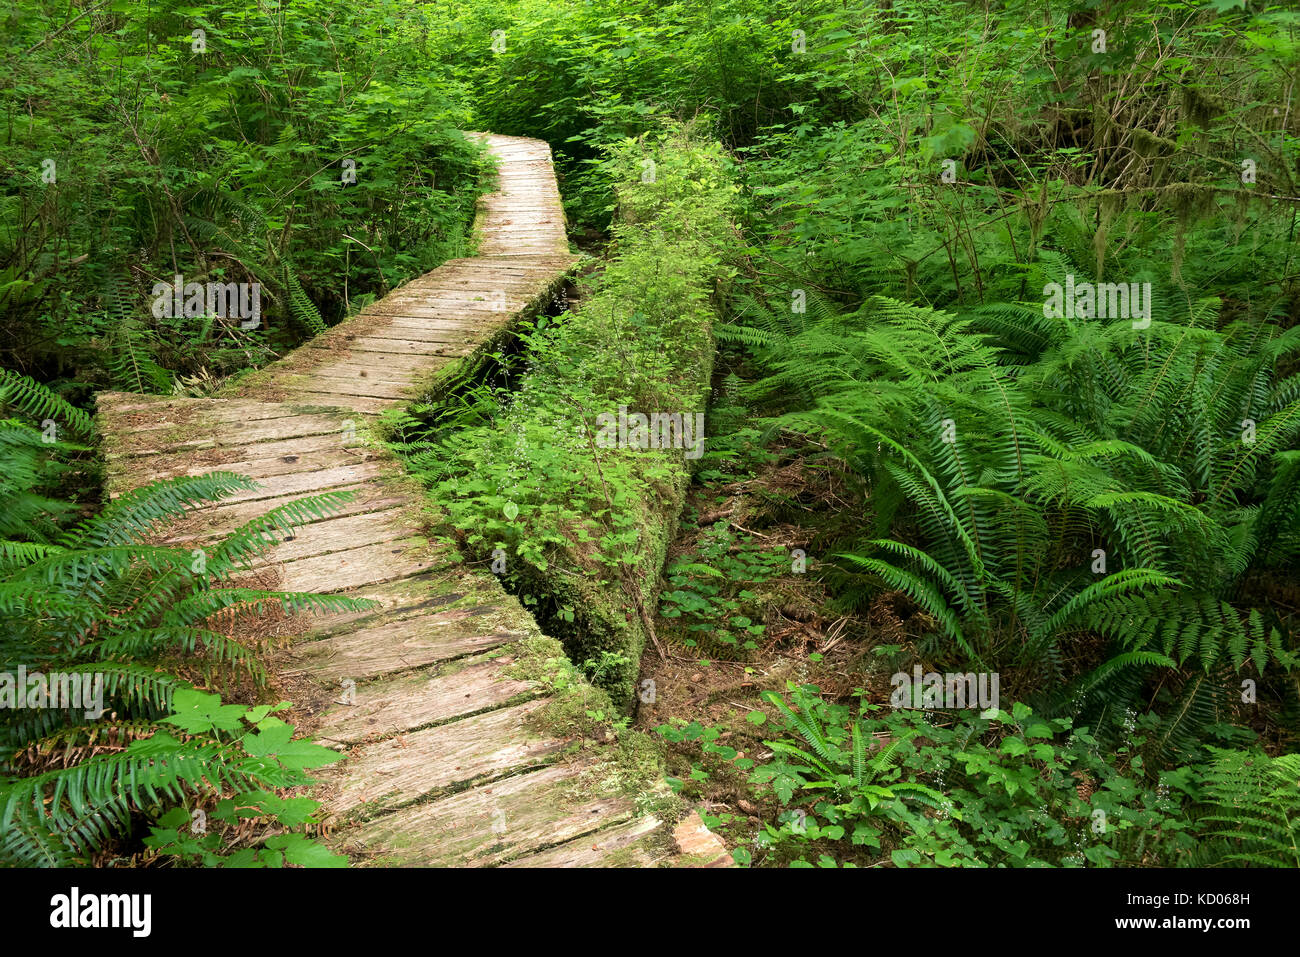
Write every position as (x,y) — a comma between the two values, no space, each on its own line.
(805,641)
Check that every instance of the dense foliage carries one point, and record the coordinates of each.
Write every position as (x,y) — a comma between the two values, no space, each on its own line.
(576,525)
(1099,505)
(307,152)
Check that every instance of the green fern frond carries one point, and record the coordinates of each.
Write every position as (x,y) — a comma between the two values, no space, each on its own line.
(36,400)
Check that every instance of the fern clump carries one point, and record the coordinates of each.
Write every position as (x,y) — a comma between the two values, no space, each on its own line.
(1255,804)
(99,602)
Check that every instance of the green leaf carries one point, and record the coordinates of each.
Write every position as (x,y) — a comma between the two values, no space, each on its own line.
(1014,747)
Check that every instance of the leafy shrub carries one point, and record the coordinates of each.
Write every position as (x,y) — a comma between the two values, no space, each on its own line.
(214,142)
(711,591)
(261,746)
(1003,790)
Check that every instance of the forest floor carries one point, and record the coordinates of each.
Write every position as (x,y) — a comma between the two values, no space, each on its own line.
(776,504)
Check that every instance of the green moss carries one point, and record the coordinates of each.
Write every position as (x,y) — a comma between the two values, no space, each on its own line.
(589,527)
(640,770)
(575,707)
(692,860)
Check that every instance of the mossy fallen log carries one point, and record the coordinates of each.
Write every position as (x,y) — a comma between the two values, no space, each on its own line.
(573,492)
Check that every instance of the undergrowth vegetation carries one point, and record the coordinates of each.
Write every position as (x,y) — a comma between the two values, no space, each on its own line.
(1017,287)
(305,151)
(108,637)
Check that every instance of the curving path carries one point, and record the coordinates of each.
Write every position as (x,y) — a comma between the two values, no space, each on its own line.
(446,762)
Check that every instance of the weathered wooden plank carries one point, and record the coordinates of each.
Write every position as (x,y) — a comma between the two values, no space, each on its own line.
(288,448)
(393,645)
(407,347)
(346,363)
(231,458)
(477,271)
(504,272)
(293,483)
(354,403)
(489,824)
(519,272)
(459,324)
(638,843)
(696,842)
(349,531)
(456,587)
(142,469)
(281,486)
(395,772)
(412,332)
(381,709)
(500,300)
(366,565)
(149,413)
(492,245)
(485,274)
(233,433)
(217,521)
(485,320)
(363,386)
(415,327)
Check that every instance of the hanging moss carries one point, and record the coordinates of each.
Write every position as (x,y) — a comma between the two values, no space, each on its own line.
(1189,202)
(1148,145)
(1202,107)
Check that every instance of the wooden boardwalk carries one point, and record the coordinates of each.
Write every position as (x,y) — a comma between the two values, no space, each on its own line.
(446,764)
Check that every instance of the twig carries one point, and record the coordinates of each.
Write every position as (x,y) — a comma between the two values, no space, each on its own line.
(50,36)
